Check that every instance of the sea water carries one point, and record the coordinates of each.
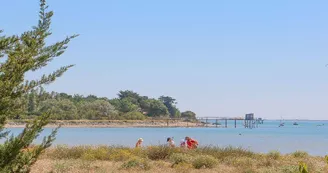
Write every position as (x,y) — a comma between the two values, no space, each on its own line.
(309,136)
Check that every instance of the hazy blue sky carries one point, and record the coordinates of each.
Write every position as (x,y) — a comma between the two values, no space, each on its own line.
(217,58)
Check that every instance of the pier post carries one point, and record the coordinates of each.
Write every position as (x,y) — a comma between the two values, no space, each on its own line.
(226,123)
(235,123)
(216,123)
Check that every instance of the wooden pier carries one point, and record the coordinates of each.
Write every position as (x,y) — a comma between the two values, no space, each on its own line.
(218,122)
(248,122)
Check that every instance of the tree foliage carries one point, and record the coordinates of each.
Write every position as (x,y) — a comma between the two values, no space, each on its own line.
(61,109)
(170,103)
(20,54)
(154,108)
(188,114)
(68,107)
(96,110)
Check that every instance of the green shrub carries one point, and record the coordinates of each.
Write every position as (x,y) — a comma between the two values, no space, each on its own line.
(97,153)
(303,168)
(120,155)
(274,155)
(160,152)
(243,162)
(300,154)
(326,159)
(65,152)
(222,153)
(183,167)
(140,152)
(136,163)
(134,116)
(177,158)
(205,161)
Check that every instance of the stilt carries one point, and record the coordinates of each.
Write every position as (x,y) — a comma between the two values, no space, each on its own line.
(235,123)
(226,123)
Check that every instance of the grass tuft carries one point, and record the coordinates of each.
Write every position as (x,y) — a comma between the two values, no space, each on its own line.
(300,154)
(205,161)
(136,163)
(275,155)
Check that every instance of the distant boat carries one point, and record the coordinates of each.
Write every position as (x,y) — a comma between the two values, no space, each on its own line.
(281,123)
(295,124)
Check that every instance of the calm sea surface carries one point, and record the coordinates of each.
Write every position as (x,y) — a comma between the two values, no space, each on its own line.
(309,136)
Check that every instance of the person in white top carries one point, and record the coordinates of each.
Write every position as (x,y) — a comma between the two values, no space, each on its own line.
(170,142)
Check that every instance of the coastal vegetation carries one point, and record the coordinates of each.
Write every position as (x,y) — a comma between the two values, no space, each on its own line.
(19,55)
(165,159)
(128,105)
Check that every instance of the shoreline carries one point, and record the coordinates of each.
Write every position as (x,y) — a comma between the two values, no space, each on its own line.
(111,124)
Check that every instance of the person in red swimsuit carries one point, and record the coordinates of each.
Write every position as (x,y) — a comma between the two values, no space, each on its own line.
(191,143)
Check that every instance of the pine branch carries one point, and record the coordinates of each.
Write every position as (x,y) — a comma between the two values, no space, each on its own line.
(24,53)
(12,147)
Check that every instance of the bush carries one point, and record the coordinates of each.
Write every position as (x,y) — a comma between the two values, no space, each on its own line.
(302,168)
(177,158)
(222,153)
(136,163)
(300,154)
(204,162)
(134,116)
(160,152)
(183,167)
(274,155)
(120,155)
(243,162)
(98,153)
(65,152)
(140,152)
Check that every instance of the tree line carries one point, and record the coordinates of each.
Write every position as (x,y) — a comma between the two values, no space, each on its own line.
(128,105)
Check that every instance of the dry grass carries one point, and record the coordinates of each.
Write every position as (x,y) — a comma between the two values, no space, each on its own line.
(103,159)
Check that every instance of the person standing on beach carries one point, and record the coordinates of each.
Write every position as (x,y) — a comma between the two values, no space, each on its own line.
(191,143)
(139,143)
(170,142)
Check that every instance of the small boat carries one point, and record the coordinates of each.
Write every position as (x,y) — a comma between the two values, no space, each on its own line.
(281,123)
(295,124)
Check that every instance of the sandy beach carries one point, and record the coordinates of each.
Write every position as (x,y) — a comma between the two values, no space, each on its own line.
(109,123)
